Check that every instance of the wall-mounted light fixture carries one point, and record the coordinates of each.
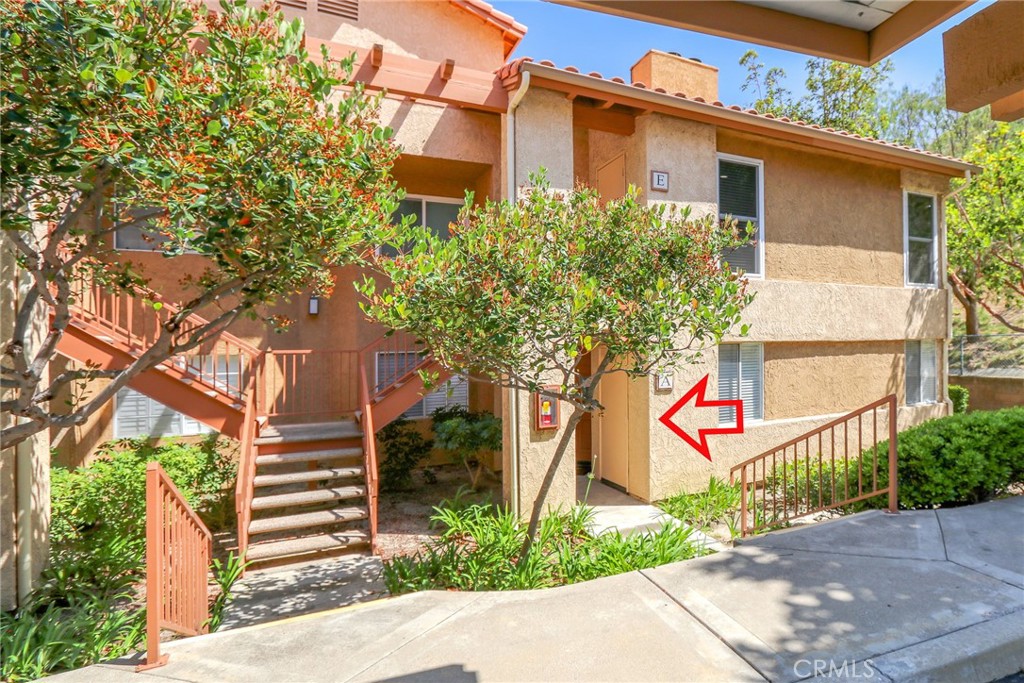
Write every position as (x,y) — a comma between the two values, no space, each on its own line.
(314,305)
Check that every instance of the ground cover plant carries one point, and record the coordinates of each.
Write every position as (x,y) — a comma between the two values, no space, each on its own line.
(86,606)
(402,448)
(714,506)
(479,549)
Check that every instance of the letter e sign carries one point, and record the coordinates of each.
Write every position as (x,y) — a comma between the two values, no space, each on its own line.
(659,181)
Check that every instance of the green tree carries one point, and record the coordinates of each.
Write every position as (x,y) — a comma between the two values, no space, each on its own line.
(986,230)
(839,95)
(523,290)
(215,131)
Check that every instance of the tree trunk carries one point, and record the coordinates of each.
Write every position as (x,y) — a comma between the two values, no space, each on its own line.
(971,317)
(549,478)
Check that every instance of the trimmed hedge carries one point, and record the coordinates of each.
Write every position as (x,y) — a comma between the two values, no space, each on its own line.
(960,397)
(956,460)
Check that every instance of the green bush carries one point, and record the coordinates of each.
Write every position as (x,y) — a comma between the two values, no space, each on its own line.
(466,436)
(479,546)
(704,509)
(960,397)
(955,460)
(107,497)
(402,449)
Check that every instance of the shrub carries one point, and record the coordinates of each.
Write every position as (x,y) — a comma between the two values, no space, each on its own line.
(402,448)
(956,460)
(107,497)
(479,547)
(466,436)
(85,607)
(960,397)
(704,509)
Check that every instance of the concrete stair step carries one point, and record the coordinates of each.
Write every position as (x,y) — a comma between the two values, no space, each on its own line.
(307,519)
(308,544)
(307,456)
(308,475)
(284,500)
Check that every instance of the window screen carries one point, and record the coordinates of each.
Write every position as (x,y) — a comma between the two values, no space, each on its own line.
(738,197)
(136,414)
(921,268)
(922,376)
(436,215)
(741,376)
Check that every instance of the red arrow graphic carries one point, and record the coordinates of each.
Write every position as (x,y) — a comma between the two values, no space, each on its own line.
(701,442)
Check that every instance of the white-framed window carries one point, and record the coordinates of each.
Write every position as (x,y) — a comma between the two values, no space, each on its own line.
(435,213)
(921,241)
(454,392)
(741,196)
(136,414)
(922,371)
(741,376)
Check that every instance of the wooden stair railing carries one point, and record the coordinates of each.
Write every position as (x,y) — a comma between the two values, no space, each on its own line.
(220,367)
(821,470)
(244,488)
(179,548)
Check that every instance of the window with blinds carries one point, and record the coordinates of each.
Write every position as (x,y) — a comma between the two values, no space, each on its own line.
(921,240)
(436,214)
(741,376)
(136,414)
(739,197)
(922,376)
(454,392)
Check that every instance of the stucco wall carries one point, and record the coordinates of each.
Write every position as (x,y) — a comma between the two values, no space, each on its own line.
(26,535)
(991,393)
(860,370)
(686,150)
(828,218)
(805,311)
(428,29)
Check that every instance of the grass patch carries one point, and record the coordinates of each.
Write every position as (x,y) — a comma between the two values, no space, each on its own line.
(478,549)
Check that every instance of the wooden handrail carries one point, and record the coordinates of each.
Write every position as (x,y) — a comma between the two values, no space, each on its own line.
(369,454)
(246,465)
(821,489)
(178,552)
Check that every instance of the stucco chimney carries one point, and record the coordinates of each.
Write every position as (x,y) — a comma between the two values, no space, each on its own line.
(674,73)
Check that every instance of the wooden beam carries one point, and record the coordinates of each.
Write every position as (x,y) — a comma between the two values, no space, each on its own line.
(911,21)
(983,56)
(447,68)
(1009,108)
(377,55)
(739,21)
(421,78)
(617,122)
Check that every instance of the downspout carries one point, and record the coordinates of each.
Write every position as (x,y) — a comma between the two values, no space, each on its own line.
(510,188)
(949,295)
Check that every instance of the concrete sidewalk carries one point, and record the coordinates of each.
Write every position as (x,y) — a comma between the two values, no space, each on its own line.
(920,596)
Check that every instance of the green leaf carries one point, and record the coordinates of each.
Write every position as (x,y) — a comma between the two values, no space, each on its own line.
(122,75)
(213,127)
(87,75)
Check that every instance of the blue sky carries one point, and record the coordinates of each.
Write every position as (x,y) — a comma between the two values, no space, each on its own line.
(598,42)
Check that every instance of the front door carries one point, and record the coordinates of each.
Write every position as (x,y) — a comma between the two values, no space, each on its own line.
(613,455)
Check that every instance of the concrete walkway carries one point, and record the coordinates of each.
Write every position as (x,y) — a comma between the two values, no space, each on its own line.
(920,596)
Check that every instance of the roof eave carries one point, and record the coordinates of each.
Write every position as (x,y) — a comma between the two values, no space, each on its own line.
(730,118)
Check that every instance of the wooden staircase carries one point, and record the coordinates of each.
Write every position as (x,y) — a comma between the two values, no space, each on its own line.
(305,489)
(311,495)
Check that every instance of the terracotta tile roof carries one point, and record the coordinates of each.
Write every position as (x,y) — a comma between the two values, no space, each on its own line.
(516,66)
(512,30)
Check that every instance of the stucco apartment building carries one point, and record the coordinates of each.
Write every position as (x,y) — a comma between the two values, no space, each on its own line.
(851,303)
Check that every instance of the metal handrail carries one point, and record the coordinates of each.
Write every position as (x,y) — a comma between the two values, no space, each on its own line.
(178,552)
(782,479)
